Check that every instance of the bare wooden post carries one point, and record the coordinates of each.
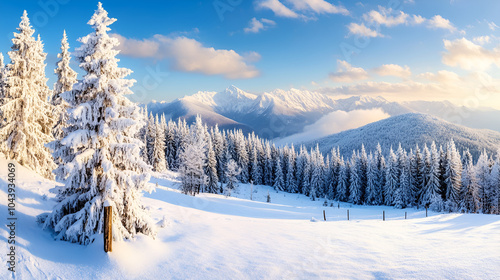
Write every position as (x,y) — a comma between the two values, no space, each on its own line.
(108,236)
(405,215)
(426,211)
(383,215)
(324,215)
(348,214)
(338,205)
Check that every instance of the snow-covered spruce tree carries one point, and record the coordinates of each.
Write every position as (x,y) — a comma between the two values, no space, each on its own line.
(355,187)
(268,165)
(468,194)
(495,185)
(380,179)
(483,174)
(193,160)
(170,144)
(431,196)
(279,183)
(27,118)
(100,155)
(418,171)
(290,182)
(343,182)
(211,169)
(232,172)
(371,181)
(66,78)
(241,155)
(299,165)
(158,154)
(453,176)
(150,139)
(317,174)
(391,178)
(256,174)
(402,196)
(333,174)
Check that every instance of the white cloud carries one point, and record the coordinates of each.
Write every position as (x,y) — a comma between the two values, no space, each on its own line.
(189,55)
(255,25)
(336,122)
(418,19)
(318,6)
(442,85)
(299,7)
(492,26)
(481,40)
(384,17)
(137,48)
(469,56)
(390,18)
(438,21)
(362,30)
(278,8)
(346,73)
(442,76)
(393,70)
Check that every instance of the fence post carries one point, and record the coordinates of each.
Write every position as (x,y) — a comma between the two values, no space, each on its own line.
(383,215)
(324,215)
(426,211)
(348,214)
(405,215)
(108,236)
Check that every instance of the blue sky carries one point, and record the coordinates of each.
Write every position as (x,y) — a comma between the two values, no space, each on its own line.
(403,50)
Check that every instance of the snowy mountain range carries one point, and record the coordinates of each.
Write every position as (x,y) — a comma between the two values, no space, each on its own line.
(281,113)
(409,130)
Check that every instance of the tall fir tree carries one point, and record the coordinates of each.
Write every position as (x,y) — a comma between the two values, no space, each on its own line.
(158,154)
(66,78)
(317,174)
(380,179)
(431,196)
(418,173)
(343,182)
(232,172)
(27,118)
(371,181)
(356,184)
(391,178)
(483,178)
(211,169)
(495,185)
(279,183)
(452,176)
(101,155)
(469,200)
(290,182)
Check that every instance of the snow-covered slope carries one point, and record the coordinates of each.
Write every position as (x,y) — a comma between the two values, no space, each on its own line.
(409,130)
(280,113)
(216,237)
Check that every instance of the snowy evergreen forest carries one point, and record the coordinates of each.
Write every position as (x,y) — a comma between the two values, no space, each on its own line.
(103,147)
(443,178)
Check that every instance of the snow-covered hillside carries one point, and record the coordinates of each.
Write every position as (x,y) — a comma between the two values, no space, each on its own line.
(409,130)
(281,113)
(215,237)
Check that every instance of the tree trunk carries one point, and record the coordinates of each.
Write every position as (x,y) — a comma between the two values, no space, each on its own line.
(108,236)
